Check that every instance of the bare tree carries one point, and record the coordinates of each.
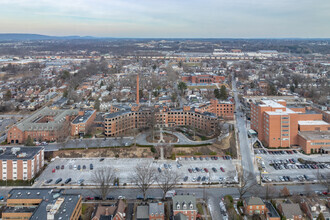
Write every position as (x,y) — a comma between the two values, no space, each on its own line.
(104,177)
(324,179)
(247,183)
(167,181)
(144,176)
(285,192)
(270,191)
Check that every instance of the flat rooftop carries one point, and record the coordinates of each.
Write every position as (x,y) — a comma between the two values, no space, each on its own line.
(83,118)
(312,123)
(271,103)
(18,153)
(315,135)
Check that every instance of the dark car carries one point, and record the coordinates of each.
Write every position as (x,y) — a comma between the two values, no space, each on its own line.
(62,167)
(190,170)
(199,178)
(67,180)
(49,181)
(110,198)
(84,167)
(58,181)
(98,198)
(203,178)
(214,169)
(206,170)
(91,167)
(160,170)
(139,197)
(79,167)
(57,167)
(102,159)
(185,178)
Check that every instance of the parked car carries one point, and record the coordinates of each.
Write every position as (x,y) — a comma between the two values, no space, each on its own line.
(102,159)
(80,181)
(49,181)
(185,178)
(58,181)
(79,167)
(91,167)
(110,198)
(57,167)
(223,170)
(160,170)
(53,170)
(89,198)
(67,180)
(62,167)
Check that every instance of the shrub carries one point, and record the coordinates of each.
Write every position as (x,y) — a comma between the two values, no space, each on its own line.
(213,153)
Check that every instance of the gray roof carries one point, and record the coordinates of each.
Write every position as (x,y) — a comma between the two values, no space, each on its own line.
(31,123)
(115,114)
(142,212)
(290,210)
(271,210)
(184,202)
(19,153)
(156,208)
(254,201)
(180,216)
(83,118)
(49,197)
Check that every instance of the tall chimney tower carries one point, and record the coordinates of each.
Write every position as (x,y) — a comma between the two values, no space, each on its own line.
(137,90)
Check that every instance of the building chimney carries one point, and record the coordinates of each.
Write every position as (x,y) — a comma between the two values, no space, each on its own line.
(137,90)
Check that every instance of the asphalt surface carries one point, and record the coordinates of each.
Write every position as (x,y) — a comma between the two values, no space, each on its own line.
(244,142)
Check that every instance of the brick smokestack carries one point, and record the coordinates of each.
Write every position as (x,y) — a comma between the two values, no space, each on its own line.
(137,90)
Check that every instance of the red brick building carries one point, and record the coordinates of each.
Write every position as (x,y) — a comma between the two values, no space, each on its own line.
(203,78)
(20,163)
(186,205)
(254,205)
(51,125)
(223,109)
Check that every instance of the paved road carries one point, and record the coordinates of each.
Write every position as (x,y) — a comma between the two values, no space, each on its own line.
(245,149)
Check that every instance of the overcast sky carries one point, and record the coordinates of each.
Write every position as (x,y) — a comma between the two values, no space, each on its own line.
(168,18)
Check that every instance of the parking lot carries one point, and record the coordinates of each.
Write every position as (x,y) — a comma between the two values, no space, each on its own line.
(79,169)
(284,166)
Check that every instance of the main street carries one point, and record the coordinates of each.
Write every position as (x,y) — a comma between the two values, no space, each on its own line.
(245,150)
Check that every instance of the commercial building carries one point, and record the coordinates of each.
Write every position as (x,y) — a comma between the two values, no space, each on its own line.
(185,205)
(51,125)
(279,125)
(20,163)
(37,204)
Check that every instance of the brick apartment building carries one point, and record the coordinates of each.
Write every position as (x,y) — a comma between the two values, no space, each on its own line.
(81,124)
(118,123)
(254,205)
(278,125)
(34,204)
(203,78)
(185,205)
(223,109)
(20,163)
(51,125)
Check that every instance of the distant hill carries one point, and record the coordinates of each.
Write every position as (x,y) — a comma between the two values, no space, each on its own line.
(20,37)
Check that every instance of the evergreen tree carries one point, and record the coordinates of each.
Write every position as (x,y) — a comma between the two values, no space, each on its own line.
(223,93)
(97,104)
(182,86)
(29,141)
(217,93)
(320,217)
